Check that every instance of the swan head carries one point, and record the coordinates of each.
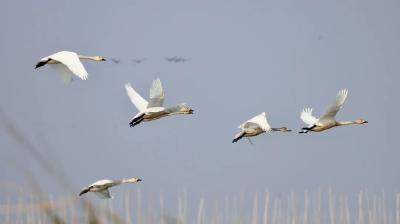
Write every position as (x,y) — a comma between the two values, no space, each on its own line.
(133,180)
(99,58)
(285,129)
(360,121)
(184,109)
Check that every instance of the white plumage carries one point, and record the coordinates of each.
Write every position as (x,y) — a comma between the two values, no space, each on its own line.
(100,187)
(327,120)
(154,109)
(68,63)
(255,126)
(259,121)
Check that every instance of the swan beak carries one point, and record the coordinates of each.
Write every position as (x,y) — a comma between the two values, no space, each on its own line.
(138,180)
(191,111)
(365,122)
(84,191)
(103,59)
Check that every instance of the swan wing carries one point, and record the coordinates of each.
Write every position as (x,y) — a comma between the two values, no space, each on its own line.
(72,61)
(63,71)
(156,94)
(259,120)
(334,108)
(104,194)
(307,117)
(101,182)
(136,99)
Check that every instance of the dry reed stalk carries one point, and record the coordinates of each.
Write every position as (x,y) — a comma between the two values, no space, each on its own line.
(360,219)
(384,214)
(254,218)
(370,220)
(266,205)
(138,206)
(306,207)
(288,211)
(341,208)
(72,212)
(200,211)
(226,215)
(180,208)
(8,210)
(331,201)
(294,208)
(280,211)
(127,206)
(398,208)
(161,208)
(374,210)
(275,211)
(347,210)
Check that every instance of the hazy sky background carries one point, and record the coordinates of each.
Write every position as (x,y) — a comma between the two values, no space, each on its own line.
(246,57)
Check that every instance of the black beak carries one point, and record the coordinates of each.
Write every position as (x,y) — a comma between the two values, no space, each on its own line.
(138,180)
(365,122)
(103,59)
(191,111)
(84,191)
(40,64)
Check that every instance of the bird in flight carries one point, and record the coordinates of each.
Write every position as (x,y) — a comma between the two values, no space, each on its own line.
(140,60)
(176,59)
(153,109)
(327,120)
(68,63)
(116,61)
(255,126)
(100,187)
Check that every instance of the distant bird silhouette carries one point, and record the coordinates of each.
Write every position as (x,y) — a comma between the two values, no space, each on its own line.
(138,61)
(100,188)
(116,61)
(255,126)
(153,109)
(68,63)
(327,120)
(176,59)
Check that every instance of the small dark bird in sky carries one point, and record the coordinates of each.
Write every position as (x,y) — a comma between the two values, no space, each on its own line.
(116,61)
(140,60)
(176,59)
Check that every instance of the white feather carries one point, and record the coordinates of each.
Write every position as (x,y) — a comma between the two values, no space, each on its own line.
(72,61)
(307,117)
(334,108)
(136,99)
(105,194)
(260,120)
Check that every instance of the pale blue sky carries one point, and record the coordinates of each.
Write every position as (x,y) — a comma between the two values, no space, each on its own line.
(246,57)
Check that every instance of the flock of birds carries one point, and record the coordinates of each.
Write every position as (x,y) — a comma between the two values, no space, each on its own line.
(69,64)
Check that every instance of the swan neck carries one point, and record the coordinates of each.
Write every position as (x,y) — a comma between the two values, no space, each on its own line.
(340,123)
(277,129)
(87,57)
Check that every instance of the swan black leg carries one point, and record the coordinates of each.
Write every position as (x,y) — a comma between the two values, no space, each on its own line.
(238,137)
(136,120)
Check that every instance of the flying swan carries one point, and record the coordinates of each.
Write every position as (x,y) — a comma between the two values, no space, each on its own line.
(256,126)
(100,188)
(68,63)
(153,109)
(327,120)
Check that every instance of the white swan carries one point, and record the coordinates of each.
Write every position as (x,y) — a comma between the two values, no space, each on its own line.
(153,109)
(68,63)
(327,120)
(100,188)
(256,126)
